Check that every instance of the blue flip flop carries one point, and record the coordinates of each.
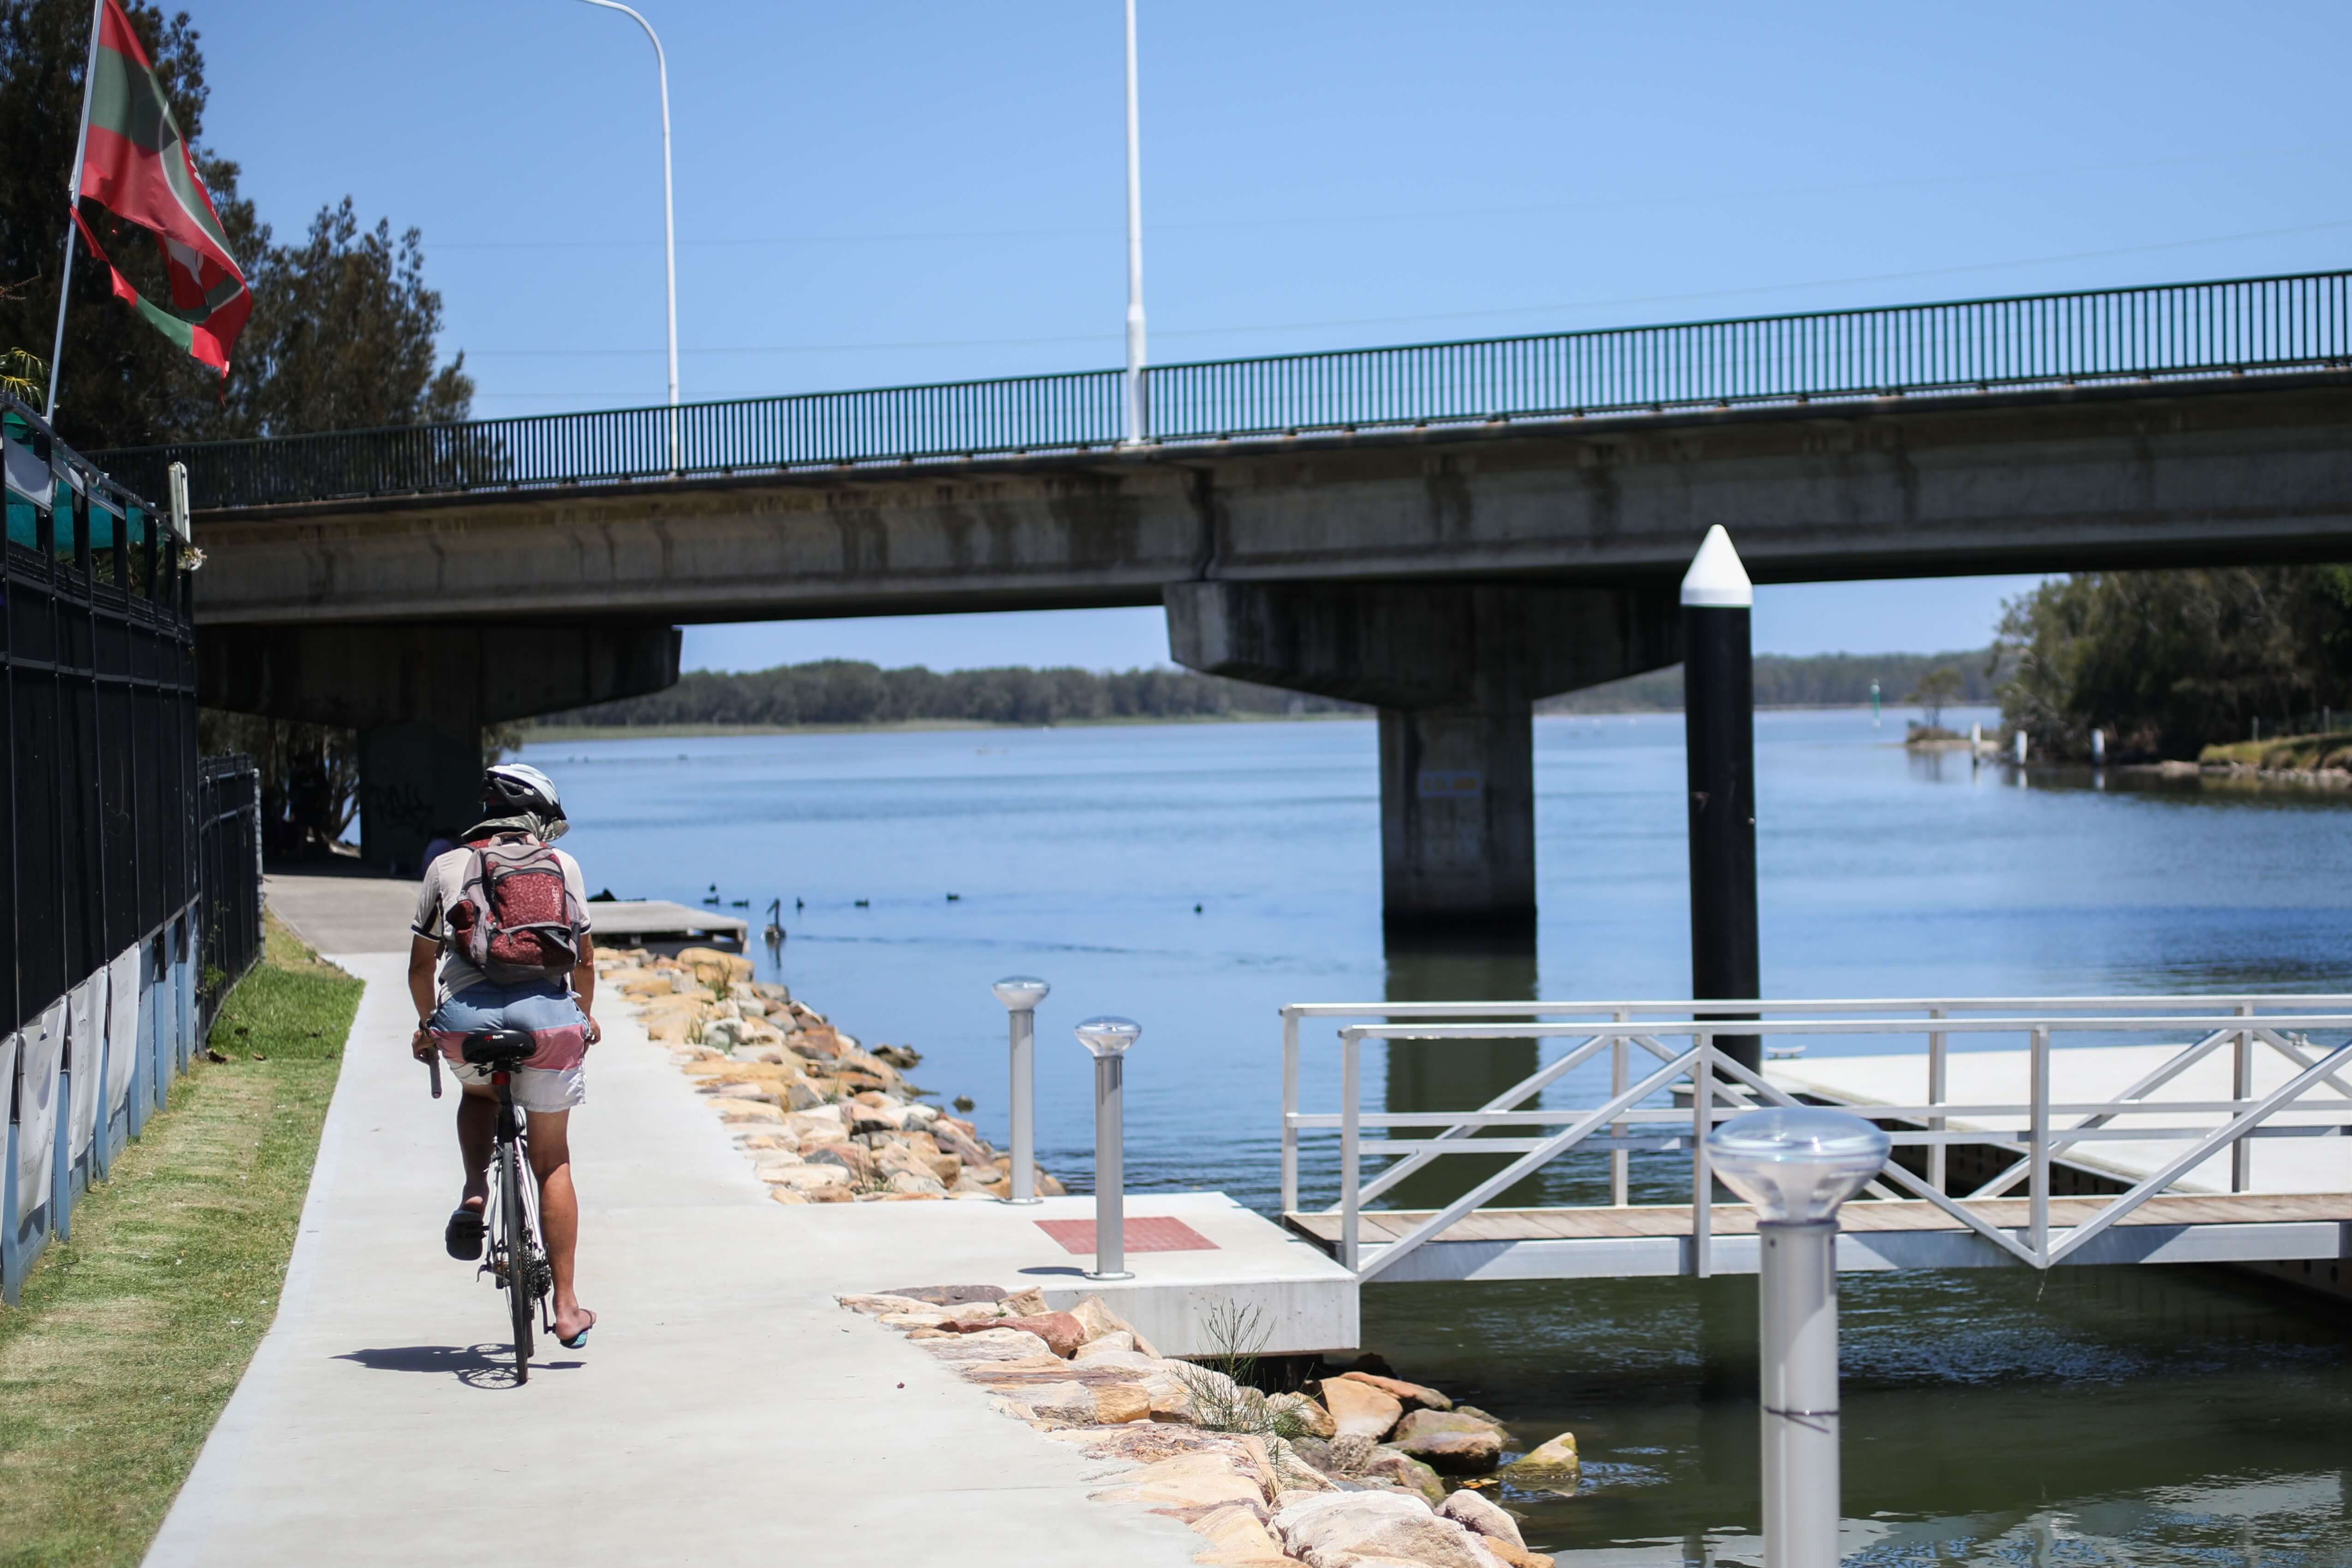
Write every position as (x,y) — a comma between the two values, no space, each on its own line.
(576,1341)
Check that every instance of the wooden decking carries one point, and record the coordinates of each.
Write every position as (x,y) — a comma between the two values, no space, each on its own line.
(1379,1227)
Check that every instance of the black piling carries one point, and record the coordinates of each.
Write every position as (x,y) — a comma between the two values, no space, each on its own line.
(1719,740)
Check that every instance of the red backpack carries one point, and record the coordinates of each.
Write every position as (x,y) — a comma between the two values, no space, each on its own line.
(516,918)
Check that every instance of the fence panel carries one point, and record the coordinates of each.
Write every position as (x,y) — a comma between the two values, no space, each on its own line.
(98,792)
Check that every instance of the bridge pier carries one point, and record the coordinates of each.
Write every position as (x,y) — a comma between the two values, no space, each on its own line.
(419,696)
(1454,671)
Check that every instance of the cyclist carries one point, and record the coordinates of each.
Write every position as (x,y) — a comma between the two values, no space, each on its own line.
(459,1000)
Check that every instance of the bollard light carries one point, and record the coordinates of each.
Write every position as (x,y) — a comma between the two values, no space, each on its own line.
(1021,993)
(1109,1040)
(1798,1165)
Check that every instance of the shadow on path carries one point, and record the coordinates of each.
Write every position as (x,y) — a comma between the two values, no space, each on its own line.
(476,1366)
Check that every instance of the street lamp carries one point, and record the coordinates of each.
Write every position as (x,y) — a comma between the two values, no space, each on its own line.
(669,222)
(1138,416)
(1021,993)
(1797,1165)
(1109,1039)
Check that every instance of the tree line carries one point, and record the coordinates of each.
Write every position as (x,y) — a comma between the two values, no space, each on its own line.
(849,691)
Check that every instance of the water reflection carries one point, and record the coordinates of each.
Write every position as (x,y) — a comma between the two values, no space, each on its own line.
(1458,1075)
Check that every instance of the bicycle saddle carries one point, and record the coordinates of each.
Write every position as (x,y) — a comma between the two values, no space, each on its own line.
(499,1048)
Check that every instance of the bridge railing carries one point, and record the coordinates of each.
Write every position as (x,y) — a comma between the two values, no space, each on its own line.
(2230,327)
(2036,1129)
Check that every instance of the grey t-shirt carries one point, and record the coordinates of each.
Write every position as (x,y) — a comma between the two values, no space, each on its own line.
(444,884)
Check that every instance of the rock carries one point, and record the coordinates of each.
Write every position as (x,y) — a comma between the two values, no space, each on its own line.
(1120,1360)
(1116,1340)
(929,1335)
(911,1319)
(1412,1393)
(1311,1419)
(1549,1466)
(787,1195)
(1202,1479)
(1360,1409)
(1062,1332)
(1072,1404)
(1450,1440)
(917,1184)
(1027,1304)
(1474,1513)
(1394,1466)
(1339,1530)
(952,1295)
(748,1110)
(810,1179)
(1121,1403)
(875,1305)
(1237,1538)
(1100,1320)
(857,1161)
(953,1140)
(1171,1400)
(775,1162)
(804,1095)
(995,1344)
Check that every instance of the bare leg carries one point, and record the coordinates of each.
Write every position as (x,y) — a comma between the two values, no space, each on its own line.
(478,1128)
(558,1212)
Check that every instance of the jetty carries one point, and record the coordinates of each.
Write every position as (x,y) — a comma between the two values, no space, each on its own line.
(2201,1128)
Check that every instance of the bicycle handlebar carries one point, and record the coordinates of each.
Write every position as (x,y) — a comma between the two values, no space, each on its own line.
(434,1061)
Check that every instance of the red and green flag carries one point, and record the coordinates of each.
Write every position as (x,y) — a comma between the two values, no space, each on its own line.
(136,165)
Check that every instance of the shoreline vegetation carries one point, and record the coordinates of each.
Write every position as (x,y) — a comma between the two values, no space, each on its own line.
(132,1336)
(847,694)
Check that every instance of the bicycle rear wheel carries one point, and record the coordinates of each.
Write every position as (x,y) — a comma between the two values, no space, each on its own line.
(514,1238)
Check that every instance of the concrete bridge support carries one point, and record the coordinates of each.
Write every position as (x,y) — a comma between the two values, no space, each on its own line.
(420,695)
(1454,671)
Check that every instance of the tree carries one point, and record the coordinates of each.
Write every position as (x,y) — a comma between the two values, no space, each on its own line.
(343,330)
(2170,662)
(1939,686)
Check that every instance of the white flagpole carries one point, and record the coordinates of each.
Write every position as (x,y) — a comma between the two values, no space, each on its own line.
(73,200)
(1139,418)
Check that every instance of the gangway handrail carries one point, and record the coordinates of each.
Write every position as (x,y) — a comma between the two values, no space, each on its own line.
(1720,1085)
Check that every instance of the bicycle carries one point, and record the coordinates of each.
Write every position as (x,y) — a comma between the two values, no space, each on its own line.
(514,1259)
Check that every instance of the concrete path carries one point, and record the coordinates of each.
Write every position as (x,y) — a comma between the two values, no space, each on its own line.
(724,1411)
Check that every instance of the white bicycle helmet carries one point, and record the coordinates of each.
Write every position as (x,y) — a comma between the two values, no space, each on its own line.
(511,788)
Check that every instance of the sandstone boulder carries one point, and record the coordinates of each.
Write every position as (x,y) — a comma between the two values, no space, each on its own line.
(1342,1530)
(1395,1468)
(1312,1419)
(995,1344)
(1059,1331)
(1100,1320)
(875,1305)
(1121,1403)
(749,1111)
(1237,1538)
(1472,1511)
(809,1179)
(1410,1394)
(1549,1466)
(1450,1440)
(953,1295)
(1204,1479)
(917,1184)
(1358,1409)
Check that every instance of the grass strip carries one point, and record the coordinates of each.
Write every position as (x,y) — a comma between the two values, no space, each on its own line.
(131,1337)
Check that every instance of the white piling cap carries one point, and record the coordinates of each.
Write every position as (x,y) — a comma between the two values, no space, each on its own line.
(1716,581)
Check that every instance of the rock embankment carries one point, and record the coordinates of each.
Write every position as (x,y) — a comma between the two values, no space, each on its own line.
(823,1120)
(1349,1473)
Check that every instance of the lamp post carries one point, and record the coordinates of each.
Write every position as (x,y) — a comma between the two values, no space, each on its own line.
(1138,416)
(1797,1167)
(1109,1039)
(1021,993)
(669,222)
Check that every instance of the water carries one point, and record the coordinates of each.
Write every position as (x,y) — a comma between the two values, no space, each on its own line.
(2096,1416)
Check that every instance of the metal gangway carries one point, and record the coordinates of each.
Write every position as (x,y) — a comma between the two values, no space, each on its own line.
(2119,1129)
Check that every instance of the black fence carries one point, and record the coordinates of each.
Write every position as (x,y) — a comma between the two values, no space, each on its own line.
(228,862)
(2231,326)
(98,676)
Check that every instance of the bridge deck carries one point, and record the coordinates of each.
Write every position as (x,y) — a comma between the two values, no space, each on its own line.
(1583,1243)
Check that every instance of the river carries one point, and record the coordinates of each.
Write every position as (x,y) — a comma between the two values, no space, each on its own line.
(1196,877)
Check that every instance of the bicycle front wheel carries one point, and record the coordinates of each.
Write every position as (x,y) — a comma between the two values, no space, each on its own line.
(515,1244)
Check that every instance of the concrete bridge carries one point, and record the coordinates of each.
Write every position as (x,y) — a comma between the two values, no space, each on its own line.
(1447,531)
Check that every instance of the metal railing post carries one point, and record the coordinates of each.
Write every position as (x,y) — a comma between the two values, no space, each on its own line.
(1620,1160)
(1350,1049)
(2038,1146)
(1289,1109)
(1935,1096)
(2241,1090)
(1702,1171)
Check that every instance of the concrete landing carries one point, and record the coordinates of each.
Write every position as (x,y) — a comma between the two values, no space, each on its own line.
(725,1410)
(1306,1301)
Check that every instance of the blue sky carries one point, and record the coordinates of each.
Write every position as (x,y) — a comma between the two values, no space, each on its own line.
(897,192)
